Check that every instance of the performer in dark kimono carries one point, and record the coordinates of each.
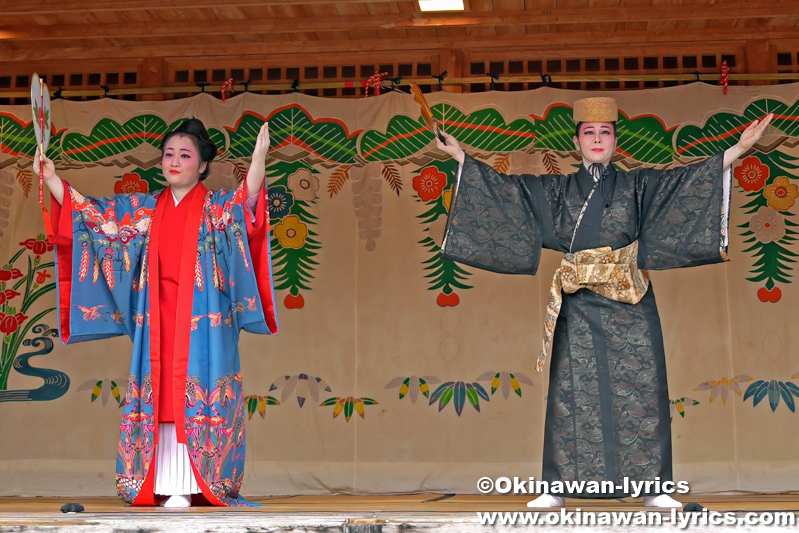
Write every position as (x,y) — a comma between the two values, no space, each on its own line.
(181,272)
(607,415)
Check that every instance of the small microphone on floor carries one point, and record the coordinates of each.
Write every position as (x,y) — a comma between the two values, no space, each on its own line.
(693,507)
(72,508)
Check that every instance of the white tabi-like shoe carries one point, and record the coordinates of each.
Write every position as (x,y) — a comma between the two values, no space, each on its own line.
(177,501)
(545,501)
(663,501)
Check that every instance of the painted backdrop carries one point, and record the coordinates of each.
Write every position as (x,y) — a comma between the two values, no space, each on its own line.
(395,371)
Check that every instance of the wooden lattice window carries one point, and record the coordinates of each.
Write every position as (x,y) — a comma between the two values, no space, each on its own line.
(486,68)
(263,74)
(788,62)
(14,83)
(72,79)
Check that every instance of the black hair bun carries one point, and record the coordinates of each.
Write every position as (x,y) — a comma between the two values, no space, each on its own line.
(196,128)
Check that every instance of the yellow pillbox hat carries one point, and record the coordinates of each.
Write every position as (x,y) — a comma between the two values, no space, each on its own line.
(596,109)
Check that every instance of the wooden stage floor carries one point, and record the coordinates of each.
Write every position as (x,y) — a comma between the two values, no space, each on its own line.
(355,514)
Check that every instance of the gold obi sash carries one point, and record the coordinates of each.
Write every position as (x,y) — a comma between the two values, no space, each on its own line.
(613,274)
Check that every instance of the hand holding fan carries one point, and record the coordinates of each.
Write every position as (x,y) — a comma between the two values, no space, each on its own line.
(427,113)
(40,103)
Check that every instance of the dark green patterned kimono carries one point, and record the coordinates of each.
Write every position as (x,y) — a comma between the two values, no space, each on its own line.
(608,406)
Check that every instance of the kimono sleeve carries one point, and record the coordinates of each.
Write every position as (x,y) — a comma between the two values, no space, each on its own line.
(250,259)
(497,222)
(98,245)
(684,216)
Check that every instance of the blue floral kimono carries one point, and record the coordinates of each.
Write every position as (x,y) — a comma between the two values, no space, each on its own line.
(107,282)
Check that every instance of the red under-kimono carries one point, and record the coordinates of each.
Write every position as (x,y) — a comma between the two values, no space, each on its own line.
(169,274)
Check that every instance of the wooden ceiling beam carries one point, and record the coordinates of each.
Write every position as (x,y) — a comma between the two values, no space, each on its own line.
(44,7)
(568,16)
(539,42)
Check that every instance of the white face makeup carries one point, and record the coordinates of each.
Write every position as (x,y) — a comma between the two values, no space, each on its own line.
(596,142)
(181,164)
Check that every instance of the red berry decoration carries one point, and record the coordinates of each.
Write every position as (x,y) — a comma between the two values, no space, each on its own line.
(448,300)
(294,302)
(763,294)
(773,295)
(442,300)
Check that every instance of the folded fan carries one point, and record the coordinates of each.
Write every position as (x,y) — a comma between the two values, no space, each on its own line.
(427,113)
(40,102)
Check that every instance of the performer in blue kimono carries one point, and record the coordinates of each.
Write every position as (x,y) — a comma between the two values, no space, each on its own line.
(181,272)
(607,415)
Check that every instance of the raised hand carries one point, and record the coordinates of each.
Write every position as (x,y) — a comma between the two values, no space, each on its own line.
(753,132)
(261,144)
(749,137)
(451,147)
(49,166)
(257,172)
(52,181)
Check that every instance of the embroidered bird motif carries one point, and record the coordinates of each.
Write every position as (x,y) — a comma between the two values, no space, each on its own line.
(92,313)
(195,320)
(216,319)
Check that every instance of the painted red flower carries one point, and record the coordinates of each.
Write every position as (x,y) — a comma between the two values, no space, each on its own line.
(215,420)
(429,184)
(39,245)
(130,183)
(199,419)
(752,174)
(8,273)
(42,276)
(10,323)
(7,294)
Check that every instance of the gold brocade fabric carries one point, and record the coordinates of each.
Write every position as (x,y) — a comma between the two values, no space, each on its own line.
(610,273)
